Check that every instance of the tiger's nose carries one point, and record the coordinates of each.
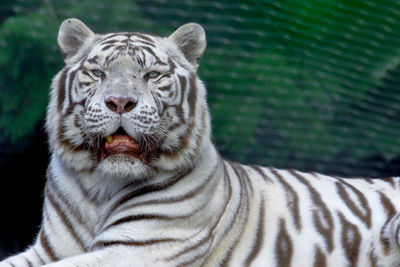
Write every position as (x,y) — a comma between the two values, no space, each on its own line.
(121,105)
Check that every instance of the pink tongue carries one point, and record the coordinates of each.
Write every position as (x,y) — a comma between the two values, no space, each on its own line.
(121,140)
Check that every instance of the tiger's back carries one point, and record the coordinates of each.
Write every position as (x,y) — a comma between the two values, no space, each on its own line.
(310,219)
(135,180)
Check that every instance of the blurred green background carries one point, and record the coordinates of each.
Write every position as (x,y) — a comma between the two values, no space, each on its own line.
(312,85)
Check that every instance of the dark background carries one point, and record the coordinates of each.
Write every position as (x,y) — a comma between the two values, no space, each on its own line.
(312,85)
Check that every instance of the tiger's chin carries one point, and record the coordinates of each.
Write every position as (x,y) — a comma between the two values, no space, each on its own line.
(122,156)
(124,166)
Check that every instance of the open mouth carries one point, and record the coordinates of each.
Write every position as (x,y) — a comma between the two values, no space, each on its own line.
(122,143)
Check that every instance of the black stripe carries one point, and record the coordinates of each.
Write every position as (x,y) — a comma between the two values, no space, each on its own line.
(138,218)
(86,73)
(201,135)
(259,239)
(178,198)
(107,243)
(184,137)
(54,188)
(61,89)
(259,170)
(107,47)
(364,215)
(372,258)
(319,258)
(71,78)
(144,190)
(192,97)
(63,217)
(93,60)
(40,258)
(142,60)
(109,41)
(144,37)
(388,205)
(284,245)
(321,214)
(191,248)
(172,66)
(166,75)
(244,175)
(292,199)
(85,193)
(198,256)
(27,261)
(227,183)
(47,246)
(179,107)
(212,229)
(204,240)
(151,52)
(389,180)
(165,88)
(144,42)
(397,232)
(162,217)
(243,208)
(351,240)
(82,84)
(183,144)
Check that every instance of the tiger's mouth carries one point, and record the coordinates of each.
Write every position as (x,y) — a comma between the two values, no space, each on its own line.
(122,143)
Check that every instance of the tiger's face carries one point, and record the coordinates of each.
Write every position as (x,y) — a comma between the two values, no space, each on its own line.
(128,104)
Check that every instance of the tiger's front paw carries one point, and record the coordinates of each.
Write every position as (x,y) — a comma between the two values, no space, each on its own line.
(8,264)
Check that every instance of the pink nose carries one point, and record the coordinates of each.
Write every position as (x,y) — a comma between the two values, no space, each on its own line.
(121,105)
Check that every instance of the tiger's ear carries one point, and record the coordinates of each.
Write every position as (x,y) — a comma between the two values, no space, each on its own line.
(191,40)
(73,34)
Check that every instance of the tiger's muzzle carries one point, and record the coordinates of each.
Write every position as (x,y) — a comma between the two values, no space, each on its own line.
(122,143)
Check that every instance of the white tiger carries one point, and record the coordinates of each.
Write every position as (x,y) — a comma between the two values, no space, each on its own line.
(135,180)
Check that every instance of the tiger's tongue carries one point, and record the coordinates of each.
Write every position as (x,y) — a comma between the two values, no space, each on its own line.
(122,141)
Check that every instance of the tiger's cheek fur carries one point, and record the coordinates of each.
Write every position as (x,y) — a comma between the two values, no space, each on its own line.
(190,131)
(64,126)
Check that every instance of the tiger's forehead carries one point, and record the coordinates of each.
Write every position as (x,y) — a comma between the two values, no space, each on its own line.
(143,49)
(128,38)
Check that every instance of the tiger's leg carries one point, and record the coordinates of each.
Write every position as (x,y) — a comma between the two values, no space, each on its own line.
(41,253)
(61,236)
(119,255)
(27,258)
(33,256)
(111,256)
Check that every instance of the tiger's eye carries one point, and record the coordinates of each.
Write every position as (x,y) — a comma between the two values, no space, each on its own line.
(98,73)
(153,74)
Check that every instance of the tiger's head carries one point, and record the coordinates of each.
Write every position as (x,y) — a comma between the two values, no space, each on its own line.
(128,104)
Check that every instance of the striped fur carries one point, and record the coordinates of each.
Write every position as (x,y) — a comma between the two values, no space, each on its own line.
(182,204)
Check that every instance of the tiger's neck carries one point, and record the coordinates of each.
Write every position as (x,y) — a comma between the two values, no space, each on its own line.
(99,188)
(203,188)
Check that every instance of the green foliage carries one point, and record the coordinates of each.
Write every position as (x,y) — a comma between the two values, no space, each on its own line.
(104,16)
(317,77)
(27,69)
